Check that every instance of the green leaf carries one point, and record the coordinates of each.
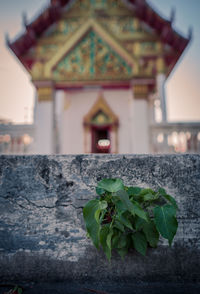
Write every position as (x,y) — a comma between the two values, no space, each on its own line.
(137,209)
(146,191)
(111,185)
(102,206)
(123,218)
(151,233)
(149,197)
(91,213)
(115,239)
(118,225)
(120,206)
(104,232)
(109,239)
(139,222)
(134,191)
(149,230)
(123,196)
(140,242)
(131,206)
(162,191)
(19,290)
(100,191)
(166,222)
(122,251)
(122,242)
(171,200)
(102,215)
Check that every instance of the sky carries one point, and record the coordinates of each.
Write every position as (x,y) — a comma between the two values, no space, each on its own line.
(182,88)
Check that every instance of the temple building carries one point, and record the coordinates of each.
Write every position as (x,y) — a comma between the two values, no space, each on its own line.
(99,68)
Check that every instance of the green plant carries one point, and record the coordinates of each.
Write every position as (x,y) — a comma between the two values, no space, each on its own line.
(129,217)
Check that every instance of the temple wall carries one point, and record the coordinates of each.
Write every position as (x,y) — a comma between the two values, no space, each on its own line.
(43,239)
(78,103)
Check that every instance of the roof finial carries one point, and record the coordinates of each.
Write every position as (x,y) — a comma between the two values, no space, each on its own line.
(172,14)
(190,32)
(7,39)
(24,19)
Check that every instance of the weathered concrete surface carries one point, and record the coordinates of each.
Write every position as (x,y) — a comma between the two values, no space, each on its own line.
(42,236)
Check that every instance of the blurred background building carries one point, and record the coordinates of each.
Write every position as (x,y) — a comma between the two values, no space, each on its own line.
(99,69)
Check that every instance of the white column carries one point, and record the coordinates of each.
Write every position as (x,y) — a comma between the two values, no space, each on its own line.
(160,80)
(87,140)
(151,103)
(140,126)
(140,120)
(112,141)
(44,134)
(131,143)
(59,109)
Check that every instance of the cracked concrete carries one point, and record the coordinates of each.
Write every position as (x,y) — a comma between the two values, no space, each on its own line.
(42,236)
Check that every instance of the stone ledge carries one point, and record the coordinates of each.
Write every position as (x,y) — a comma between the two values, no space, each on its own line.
(42,237)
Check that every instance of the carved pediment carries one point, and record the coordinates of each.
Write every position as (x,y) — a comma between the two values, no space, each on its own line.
(92,54)
(92,58)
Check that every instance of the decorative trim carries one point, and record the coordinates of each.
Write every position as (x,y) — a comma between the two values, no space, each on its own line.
(37,70)
(141,91)
(100,105)
(45,94)
(160,65)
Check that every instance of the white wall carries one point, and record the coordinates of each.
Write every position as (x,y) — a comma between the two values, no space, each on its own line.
(78,103)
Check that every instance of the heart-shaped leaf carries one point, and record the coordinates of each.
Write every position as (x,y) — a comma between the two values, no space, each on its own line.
(91,213)
(166,222)
(111,185)
(140,242)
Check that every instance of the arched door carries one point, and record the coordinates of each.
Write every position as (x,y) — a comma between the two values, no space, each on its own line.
(101,124)
(101,139)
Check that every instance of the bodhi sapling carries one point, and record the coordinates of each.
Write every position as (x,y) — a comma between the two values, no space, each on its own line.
(122,217)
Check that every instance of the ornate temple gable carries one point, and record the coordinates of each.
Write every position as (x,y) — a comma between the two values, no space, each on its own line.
(92,59)
(137,28)
(91,54)
(73,17)
(139,40)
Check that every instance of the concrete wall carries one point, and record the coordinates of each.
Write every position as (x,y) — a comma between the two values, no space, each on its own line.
(42,236)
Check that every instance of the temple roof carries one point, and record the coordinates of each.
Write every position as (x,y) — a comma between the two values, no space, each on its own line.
(53,12)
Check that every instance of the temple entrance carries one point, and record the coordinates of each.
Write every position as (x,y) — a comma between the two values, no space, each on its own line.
(100,125)
(101,140)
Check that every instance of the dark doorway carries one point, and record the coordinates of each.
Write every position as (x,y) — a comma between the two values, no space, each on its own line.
(100,140)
